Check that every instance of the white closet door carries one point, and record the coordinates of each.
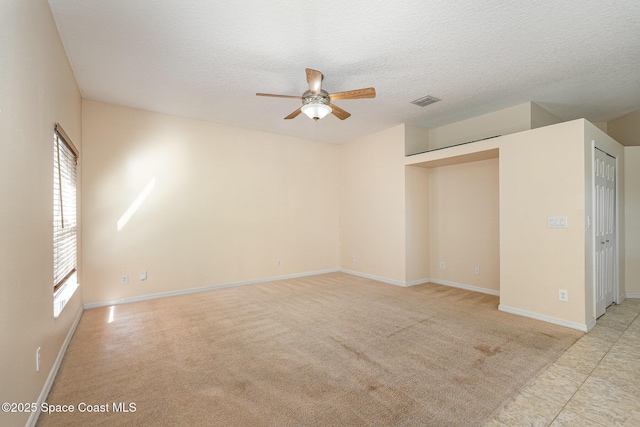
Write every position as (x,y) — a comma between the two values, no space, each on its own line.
(604,229)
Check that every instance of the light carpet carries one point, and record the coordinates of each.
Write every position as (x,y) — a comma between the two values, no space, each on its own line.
(326,350)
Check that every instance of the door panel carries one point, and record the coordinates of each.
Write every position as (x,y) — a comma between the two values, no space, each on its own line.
(605,226)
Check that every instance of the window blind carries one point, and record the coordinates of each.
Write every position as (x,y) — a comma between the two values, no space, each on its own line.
(64,208)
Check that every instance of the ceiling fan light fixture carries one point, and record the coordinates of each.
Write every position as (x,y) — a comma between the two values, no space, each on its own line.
(316,102)
(316,110)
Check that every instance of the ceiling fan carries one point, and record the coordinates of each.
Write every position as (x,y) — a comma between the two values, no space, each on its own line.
(317,103)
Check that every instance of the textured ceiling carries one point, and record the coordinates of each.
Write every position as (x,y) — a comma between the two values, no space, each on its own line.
(206,59)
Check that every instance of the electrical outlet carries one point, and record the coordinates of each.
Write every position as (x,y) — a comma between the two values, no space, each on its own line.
(441,265)
(477,270)
(143,275)
(563,295)
(279,262)
(38,360)
(124,279)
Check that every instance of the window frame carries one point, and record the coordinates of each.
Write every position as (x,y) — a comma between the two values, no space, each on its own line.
(65,244)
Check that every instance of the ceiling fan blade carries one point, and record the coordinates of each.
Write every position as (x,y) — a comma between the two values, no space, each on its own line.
(314,78)
(294,114)
(279,96)
(339,112)
(354,94)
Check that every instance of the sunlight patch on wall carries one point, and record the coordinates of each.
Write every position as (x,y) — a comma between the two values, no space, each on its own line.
(136,204)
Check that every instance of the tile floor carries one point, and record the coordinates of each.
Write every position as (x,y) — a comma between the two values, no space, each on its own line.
(596,382)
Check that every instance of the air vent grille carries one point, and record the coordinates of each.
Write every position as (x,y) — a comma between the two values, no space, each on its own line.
(425,100)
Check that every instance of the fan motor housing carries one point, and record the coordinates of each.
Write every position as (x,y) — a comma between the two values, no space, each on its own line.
(317,98)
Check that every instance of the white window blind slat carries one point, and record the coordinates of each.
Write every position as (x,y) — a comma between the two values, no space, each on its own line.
(64,209)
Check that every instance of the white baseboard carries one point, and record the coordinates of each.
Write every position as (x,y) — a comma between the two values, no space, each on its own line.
(372,277)
(423,281)
(548,319)
(289,276)
(467,287)
(418,282)
(385,280)
(33,418)
(632,295)
(203,289)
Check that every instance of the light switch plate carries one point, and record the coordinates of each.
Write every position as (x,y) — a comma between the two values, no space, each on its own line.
(557,222)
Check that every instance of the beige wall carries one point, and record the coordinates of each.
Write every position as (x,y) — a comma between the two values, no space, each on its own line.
(372,205)
(542,172)
(626,129)
(37,89)
(518,118)
(417,224)
(381,203)
(601,125)
(542,175)
(464,221)
(503,122)
(632,220)
(416,139)
(541,117)
(226,205)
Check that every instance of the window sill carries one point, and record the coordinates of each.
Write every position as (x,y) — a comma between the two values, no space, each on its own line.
(64,294)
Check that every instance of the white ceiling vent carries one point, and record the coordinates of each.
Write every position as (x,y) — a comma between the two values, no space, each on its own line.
(425,100)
